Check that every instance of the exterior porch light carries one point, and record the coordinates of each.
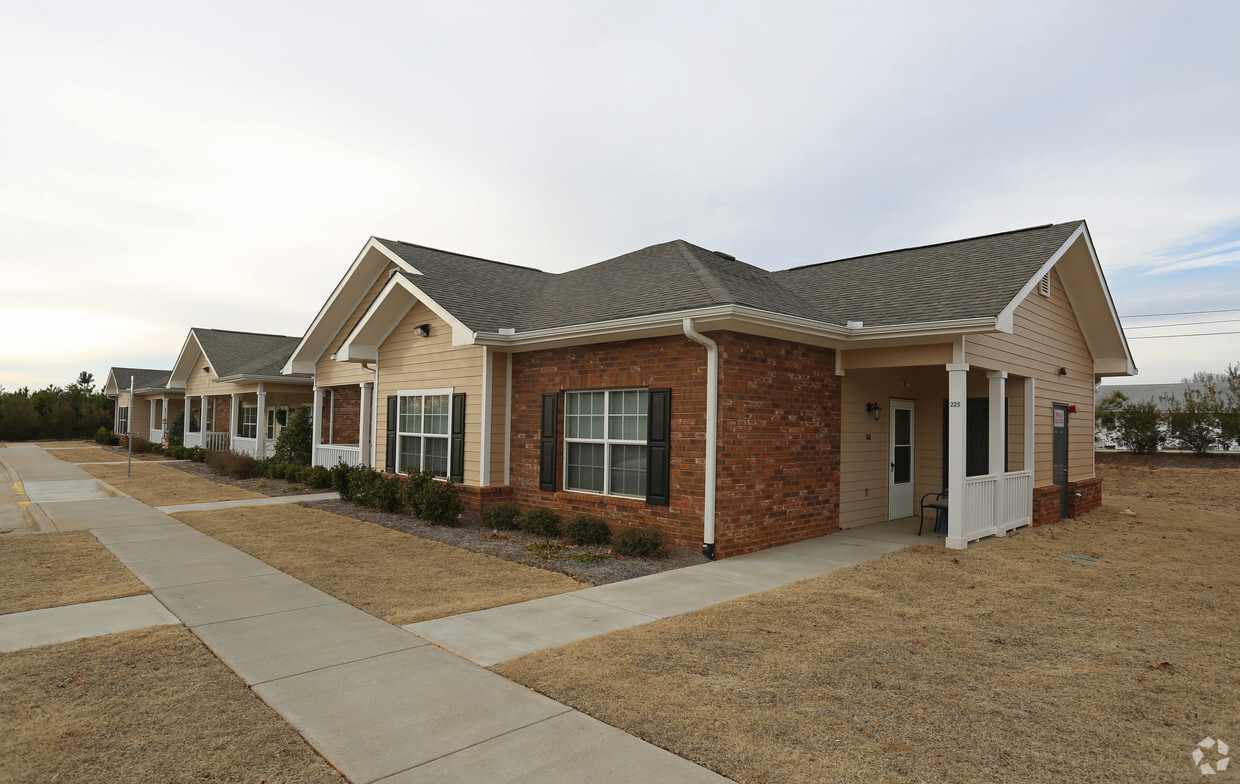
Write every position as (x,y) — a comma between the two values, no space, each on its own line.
(422,330)
(873,408)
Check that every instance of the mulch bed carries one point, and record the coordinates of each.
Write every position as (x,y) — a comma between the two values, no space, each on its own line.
(470,534)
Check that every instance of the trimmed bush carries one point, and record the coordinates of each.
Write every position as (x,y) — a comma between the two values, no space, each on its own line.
(382,493)
(175,452)
(541,522)
(441,503)
(197,454)
(294,442)
(176,430)
(106,437)
(637,541)
(340,481)
(504,516)
(587,529)
(315,476)
(413,492)
(1140,427)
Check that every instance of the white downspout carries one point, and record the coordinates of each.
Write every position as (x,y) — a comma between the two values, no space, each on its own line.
(712,428)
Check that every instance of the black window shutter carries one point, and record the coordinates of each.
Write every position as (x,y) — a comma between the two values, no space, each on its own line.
(547,445)
(391,434)
(456,469)
(658,447)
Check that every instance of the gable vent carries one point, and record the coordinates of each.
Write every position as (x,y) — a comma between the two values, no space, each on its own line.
(1044,288)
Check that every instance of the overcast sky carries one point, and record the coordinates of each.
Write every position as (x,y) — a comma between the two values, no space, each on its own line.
(165,165)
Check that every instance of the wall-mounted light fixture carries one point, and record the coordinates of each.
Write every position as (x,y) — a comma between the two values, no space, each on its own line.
(873,409)
(422,330)
(1063,371)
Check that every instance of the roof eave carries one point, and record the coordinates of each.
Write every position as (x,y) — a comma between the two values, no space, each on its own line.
(237,377)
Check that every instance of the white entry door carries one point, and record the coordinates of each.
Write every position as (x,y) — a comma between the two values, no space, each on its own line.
(900,458)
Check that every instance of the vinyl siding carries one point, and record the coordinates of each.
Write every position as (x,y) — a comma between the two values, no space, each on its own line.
(327,371)
(1047,337)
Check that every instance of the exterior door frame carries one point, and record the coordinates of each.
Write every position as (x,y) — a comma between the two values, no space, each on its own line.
(1059,454)
(900,495)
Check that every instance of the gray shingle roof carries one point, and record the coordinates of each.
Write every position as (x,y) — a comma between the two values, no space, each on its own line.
(962,279)
(143,378)
(245,353)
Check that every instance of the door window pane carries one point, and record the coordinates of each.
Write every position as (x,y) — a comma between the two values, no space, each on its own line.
(904,464)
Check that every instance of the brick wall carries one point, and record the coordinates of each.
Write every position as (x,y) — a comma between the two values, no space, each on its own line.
(223,409)
(1091,495)
(778,456)
(1046,504)
(342,411)
(477,499)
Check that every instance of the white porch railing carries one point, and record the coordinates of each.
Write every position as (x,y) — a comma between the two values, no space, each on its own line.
(978,518)
(246,446)
(217,441)
(193,439)
(156,436)
(1018,498)
(328,455)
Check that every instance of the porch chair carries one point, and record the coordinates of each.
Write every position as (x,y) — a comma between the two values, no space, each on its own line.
(938,504)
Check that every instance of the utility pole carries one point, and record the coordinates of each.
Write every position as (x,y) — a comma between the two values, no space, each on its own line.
(129,428)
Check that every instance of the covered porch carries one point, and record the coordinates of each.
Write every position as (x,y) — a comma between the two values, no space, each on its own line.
(343,424)
(245,422)
(912,431)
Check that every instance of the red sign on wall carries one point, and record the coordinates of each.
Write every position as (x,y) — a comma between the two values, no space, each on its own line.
(1060,418)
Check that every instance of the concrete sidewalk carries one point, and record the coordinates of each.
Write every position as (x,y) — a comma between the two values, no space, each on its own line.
(379,703)
(488,637)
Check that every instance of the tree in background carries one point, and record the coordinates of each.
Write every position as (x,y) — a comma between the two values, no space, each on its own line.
(75,411)
(1140,427)
(1229,418)
(1108,407)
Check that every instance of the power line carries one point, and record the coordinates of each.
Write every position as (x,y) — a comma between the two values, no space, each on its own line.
(1189,335)
(1181,313)
(1183,324)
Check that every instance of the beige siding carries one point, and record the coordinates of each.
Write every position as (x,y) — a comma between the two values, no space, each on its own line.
(864,463)
(408,362)
(1047,337)
(199,383)
(327,371)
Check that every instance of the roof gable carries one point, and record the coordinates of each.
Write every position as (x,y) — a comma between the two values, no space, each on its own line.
(143,379)
(230,354)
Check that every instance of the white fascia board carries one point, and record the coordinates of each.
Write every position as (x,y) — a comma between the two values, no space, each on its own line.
(180,374)
(319,336)
(1007,315)
(390,306)
(262,377)
(1106,292)
(704,316)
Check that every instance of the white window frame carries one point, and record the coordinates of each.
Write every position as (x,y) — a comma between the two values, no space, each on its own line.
(424,393)
(122,416)
(243,425)
(606,441)
(155,424)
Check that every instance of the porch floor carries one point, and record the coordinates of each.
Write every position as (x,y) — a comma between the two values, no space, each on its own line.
(902,531)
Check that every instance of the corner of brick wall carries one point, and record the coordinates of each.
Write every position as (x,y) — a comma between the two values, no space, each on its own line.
(1090,491)
(477,499)
(1046,504)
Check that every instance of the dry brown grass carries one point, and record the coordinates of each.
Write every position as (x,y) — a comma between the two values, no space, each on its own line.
(1005,662)
(86,454)
(389,574)
(161,485)
(56,569)
(151,705)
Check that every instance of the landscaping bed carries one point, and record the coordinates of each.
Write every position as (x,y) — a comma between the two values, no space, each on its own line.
(57,569)
(1095,649)
(589,564)
(161,485)
(151,705)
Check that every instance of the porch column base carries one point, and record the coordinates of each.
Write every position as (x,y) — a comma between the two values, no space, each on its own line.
(956,543)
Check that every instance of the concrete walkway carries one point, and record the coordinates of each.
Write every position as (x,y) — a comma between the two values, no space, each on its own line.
(379,703)
(488,637)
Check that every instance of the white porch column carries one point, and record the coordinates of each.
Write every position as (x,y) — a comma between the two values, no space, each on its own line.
(317,418)
(1029,428)
(163,420)
(998,427)
(202,424)
(234,416)
(363,425)
(260,429)
(957,394)
(185,423)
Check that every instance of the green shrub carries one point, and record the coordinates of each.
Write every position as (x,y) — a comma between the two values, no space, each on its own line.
(637,541)
(541,522)
(1140,427)
(380,492)
(176,430)
(197,454)
(315,476)
(504,516)
(340,481)
(234,464)
(175,452)
(155,448)
(441,503)
(587,529)
(414,489)
(106,437)
(294,442)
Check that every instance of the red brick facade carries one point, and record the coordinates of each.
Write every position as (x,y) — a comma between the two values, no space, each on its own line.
(1046,500)
(222,405)
(778,446)
(342,411)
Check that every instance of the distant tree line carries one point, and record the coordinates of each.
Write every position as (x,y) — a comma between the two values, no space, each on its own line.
(73,411)
(1205,415)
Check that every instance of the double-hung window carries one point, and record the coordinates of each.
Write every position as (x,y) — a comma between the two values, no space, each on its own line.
(122,419)
(248,426)
(605,441)
(423,431)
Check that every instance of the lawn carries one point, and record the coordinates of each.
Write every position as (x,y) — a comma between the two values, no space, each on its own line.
(392,575)
(54,569)
(146,706)
(1004,662)
(161,485)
